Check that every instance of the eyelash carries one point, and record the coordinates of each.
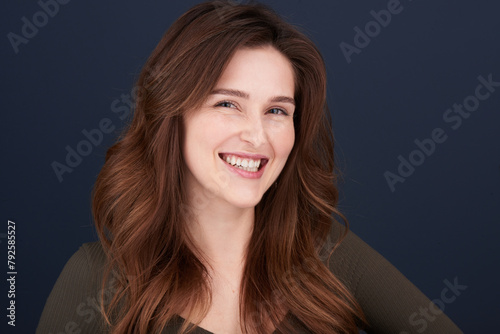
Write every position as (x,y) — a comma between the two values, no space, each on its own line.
(224,105)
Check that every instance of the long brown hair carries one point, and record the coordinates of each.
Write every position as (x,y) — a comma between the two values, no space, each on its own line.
(139,202)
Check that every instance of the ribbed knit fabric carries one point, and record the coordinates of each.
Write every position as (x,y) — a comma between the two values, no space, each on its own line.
(73,304)
(391,303)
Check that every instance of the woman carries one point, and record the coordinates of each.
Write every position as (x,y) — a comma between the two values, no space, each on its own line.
(214,209)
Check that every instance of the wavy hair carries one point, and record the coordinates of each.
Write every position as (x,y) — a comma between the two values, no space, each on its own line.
(140,206)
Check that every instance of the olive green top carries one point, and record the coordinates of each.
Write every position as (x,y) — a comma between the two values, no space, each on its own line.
(391,303)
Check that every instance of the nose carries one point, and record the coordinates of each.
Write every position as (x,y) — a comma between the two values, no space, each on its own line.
(254,132)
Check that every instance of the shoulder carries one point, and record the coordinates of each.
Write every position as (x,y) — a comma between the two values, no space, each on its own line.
(353,258)
(86,265)
(361,267)
(73,303)
(88,261)
(391,302)
(92,254)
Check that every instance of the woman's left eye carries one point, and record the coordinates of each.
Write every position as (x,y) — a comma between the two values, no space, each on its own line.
(278,111)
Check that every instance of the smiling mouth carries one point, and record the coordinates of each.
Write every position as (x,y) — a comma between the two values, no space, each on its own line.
(244,163)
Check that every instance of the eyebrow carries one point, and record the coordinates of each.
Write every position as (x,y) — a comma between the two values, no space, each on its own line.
(239,93)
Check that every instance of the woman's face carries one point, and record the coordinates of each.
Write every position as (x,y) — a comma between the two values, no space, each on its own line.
(238,142)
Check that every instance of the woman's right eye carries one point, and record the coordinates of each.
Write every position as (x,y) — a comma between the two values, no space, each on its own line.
(225,104)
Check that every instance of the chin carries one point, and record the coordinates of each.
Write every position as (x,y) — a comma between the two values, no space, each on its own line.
(246,205)
(245,202)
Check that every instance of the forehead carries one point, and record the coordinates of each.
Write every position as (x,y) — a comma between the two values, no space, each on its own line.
(259,71)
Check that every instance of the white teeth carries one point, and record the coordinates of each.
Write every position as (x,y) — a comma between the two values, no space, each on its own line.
(249,165)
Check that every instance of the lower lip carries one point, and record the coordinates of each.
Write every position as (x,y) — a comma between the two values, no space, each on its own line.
(244,173)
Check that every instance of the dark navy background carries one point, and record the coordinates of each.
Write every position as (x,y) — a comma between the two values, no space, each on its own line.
(441,224)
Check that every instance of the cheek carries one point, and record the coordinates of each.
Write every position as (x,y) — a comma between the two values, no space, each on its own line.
(204,137)
(200,133)
(194,133)
(283,141)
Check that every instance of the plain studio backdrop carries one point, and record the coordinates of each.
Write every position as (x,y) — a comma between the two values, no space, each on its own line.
(414,89)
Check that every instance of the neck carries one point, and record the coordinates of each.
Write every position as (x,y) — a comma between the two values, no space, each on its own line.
(222,233)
